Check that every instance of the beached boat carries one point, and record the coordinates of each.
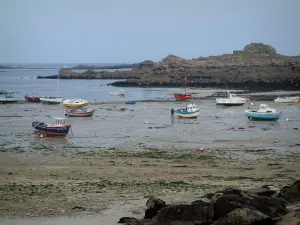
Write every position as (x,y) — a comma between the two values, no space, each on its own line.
(231,100)
(287,99)
(75,103)
(190,112)
(79,112)
(60,127)
(51,100)
(8,99)
(32,98)
(118,93)
(185,96)
(264,113)
(130,102)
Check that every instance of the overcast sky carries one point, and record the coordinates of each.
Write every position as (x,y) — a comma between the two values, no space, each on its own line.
(116,31)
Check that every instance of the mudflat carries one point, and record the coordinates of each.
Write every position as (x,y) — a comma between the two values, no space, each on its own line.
(125,153)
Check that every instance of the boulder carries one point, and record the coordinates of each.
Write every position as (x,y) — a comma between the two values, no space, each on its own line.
(263,191)
(244,216)
(291,193)
(292,218)
(169,214)
(153,206)
(260,48)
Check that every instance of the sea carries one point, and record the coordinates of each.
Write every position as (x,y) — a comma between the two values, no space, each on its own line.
(24,80)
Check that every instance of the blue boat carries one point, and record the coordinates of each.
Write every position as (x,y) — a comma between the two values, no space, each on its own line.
(130,102)
(189,112)
(60,127)
(264,113)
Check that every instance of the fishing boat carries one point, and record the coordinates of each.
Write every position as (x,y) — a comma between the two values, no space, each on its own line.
(59,127)
(118,93)
(79,112)
(75,103)
(179,96)
(231,100)
(189,112)
(8,99)
(32,98)
(287,99)
(264,113)
(51,100)
(130,102)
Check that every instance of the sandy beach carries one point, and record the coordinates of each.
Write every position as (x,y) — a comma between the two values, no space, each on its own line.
(127,152)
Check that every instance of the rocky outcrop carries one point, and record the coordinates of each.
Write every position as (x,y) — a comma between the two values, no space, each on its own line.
(291,193)
(257,67)
(118,66)
(231,206)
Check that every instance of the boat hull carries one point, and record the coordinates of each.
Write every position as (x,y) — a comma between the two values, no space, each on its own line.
(49,101)
(75,105)
(182,97)
(181,113)
(287,100)
(230,102)
(51,131)
(33,98)
(262,116)
(130,103)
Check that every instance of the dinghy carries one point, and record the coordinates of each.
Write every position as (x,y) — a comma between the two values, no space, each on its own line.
(51,100)
(8,99)
(75,103)
(32,98)
(79,112)
(264,113)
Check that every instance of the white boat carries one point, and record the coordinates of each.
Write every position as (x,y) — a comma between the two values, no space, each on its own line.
(190,111)
(51,100)
(8,99)
(287,99)
(75,103)
(231,100)
(118,93)
(264,113)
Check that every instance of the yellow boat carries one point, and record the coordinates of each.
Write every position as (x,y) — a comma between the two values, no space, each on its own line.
(75,103)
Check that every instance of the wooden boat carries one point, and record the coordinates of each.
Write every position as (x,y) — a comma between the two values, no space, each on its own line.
(130,102)
(79,112)
(60,127)
(231,100)
(264,113)
(51,100)
(32,98)
(75,103)
(287,99)
(189,112)
(184,96)
(8,99)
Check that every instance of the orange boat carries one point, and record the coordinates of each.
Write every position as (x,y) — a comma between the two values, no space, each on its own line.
(183,96)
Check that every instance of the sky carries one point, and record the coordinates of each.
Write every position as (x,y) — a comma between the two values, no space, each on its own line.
(125,31)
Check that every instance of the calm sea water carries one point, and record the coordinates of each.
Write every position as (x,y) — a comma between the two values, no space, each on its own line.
(24,82)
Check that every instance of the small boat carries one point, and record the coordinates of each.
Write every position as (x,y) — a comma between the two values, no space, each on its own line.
(286,99)
(60,127)
(118,93)
(8,99)
(231,100)
(130,102)
(79,112)
(190,112)
(51,100)
(32,98)
(75,103)
(264,113)
(184,96)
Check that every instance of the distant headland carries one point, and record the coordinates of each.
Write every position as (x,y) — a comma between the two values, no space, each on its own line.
(257,66)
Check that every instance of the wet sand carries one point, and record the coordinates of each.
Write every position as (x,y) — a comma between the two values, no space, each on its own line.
(118,157)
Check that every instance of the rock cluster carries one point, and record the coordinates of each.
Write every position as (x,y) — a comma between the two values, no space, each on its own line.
(258,206)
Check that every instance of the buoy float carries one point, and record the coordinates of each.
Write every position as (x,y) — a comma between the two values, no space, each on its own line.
(201,149)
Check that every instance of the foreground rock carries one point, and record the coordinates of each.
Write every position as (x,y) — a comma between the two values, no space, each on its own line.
(231,206)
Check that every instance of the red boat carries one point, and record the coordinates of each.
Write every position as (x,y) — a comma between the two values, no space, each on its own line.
(183,96)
